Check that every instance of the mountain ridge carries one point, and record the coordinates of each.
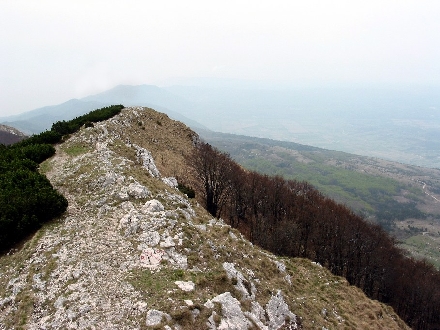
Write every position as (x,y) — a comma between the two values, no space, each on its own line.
(129,239)
(10,135)
(174,98)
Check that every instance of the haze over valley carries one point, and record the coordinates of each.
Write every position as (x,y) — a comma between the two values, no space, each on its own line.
(401,125)
(396,124)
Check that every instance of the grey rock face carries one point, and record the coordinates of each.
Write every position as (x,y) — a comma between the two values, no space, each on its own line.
(155,317)
(279,313)
(170,181)
(247,288)
(233,317)
(147,161)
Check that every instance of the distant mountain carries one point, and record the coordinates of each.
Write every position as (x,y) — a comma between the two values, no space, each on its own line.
(10,135)
(140,95)
(175,106)
(40,119)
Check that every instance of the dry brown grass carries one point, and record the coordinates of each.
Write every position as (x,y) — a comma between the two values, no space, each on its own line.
(168,141)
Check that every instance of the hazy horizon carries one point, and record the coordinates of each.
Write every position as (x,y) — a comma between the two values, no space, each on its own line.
(389,124)
(55,51)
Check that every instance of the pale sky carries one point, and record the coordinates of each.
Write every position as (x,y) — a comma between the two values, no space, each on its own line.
(52,51)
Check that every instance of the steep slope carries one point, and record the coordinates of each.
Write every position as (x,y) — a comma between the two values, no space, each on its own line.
(133,252)
(9,135)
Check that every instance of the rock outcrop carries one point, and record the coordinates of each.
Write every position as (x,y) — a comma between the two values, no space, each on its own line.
(133,252)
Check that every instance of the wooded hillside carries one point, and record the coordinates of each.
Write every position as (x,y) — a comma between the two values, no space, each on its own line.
(293,219)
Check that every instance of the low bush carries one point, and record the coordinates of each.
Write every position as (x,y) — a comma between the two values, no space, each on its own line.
(27,198)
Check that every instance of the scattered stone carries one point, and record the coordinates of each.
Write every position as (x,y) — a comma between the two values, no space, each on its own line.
(155,317)
(168,242)
(171,181)
(281,266)
(152,206)
(177,259)
(131,222)
(137,191)
(38,283)
(141,306)
(185,286)
(150,238)
(200,227)
(59,302)
(209,304)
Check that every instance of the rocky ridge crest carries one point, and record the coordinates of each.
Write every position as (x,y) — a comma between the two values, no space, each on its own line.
(132,252)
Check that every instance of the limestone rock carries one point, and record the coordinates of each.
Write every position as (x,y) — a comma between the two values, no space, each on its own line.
(152,206)
(233,317)
(170,181)
(147,161)
(155,317)
(150,238)
(185,286)
(151,258)
(246,287)
(137,190)
(279,313)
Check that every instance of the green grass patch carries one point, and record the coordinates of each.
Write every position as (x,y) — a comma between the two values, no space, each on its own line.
(424,246)
(45,167)
(76,150)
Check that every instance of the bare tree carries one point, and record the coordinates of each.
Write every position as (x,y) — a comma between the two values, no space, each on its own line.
(213,170)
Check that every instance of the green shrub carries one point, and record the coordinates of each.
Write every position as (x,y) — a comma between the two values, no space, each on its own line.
(71,126)
(186,190)
(27,198)
(46,137)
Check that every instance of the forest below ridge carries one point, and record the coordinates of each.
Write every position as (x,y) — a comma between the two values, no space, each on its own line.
(294,219)
(403,199)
